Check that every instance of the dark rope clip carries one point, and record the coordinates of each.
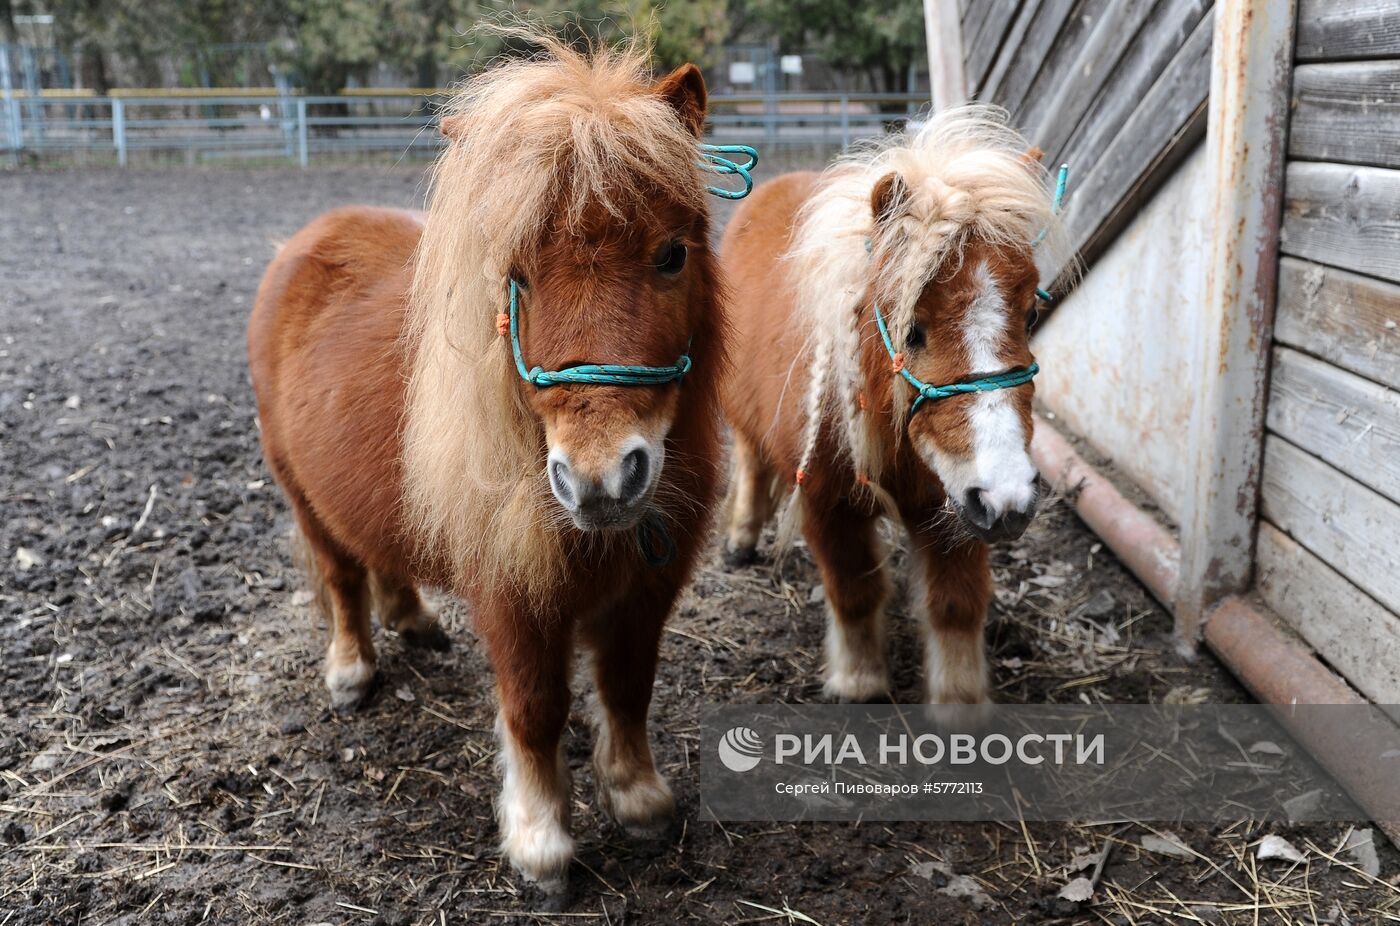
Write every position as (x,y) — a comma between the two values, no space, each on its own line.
(655,542)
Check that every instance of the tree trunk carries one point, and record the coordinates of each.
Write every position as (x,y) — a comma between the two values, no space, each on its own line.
(7,22)
(92,69)
(889,83)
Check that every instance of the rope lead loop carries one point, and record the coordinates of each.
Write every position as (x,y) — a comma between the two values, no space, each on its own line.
(712,159)
(654,541)
(1061,181)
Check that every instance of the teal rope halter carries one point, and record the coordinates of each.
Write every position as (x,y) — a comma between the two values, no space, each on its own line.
(928,393)
(617,374)
(712,159)
(1060,182)
(1008,380)
(589,374)
(654,541)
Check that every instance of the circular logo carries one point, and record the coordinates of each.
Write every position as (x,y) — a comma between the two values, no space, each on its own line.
(740,749)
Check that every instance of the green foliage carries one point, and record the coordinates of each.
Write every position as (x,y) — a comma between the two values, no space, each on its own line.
(326,43)
(679,30)
(881,38)
(337,38)
(684,30)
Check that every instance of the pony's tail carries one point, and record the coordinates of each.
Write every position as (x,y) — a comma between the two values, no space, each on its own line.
(787,523)
(877,493)
(790,510)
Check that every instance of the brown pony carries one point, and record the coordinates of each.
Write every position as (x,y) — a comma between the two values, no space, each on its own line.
(413,453)
(935,228)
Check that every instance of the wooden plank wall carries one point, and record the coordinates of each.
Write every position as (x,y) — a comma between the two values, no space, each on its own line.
(1328,557)
(1116,88)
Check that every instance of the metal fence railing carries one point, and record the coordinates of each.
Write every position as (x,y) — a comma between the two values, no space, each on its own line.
(208,126)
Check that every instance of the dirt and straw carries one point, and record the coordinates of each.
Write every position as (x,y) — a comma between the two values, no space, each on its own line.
(166,752)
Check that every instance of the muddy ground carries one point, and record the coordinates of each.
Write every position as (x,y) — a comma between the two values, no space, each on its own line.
(166,755)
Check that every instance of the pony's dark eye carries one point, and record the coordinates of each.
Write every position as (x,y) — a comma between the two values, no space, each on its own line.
(1032,318)
(671,258)
(916,338)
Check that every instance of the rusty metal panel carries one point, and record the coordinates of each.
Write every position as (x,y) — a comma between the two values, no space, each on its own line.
(1246,137)
(1117,368)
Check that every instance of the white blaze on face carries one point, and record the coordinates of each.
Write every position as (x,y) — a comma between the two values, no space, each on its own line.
(999,465)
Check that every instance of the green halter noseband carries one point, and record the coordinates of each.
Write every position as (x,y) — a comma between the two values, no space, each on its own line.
(617,374)
(589,374)
(929,393)
(1008,380)
(653,539)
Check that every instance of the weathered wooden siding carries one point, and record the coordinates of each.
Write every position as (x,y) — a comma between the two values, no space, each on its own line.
(1343,419)
(1334,616)
(1119,90)
(1327,558)
(1338,30)
(1348,319)
(1115,88)
(1347,112)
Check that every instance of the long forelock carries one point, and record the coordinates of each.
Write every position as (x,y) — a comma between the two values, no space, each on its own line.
(534,142)
(967,179)
(558,135)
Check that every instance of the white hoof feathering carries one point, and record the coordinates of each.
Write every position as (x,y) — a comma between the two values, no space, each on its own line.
(534,816)
(741,541)
(348,679)
(956,669)
(422,618)
(539,847)
(643,806)
(855,661)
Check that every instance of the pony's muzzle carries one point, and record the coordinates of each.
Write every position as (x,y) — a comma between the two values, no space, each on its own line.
(1000,514)
(611,496)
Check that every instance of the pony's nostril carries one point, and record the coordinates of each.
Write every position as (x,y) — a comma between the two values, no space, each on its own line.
(636,473)
(978,509)
(560,480)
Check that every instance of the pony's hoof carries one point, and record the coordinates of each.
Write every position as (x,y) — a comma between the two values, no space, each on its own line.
(883,697)
(858,687)
(429,636)
(654,837)
(644,808)
(541,854)
(547,898)
(959,716)
(739,557)
(349,683)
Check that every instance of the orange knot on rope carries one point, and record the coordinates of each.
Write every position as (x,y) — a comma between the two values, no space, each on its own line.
(860,400)
(801,476)
(503,324)
(899,361)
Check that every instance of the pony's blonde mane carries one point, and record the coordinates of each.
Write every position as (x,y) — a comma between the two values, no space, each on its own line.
(967,178)
(532,139)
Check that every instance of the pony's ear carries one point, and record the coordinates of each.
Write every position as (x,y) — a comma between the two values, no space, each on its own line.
(684,90)
(452,126)
(1032,156)
(888,196)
